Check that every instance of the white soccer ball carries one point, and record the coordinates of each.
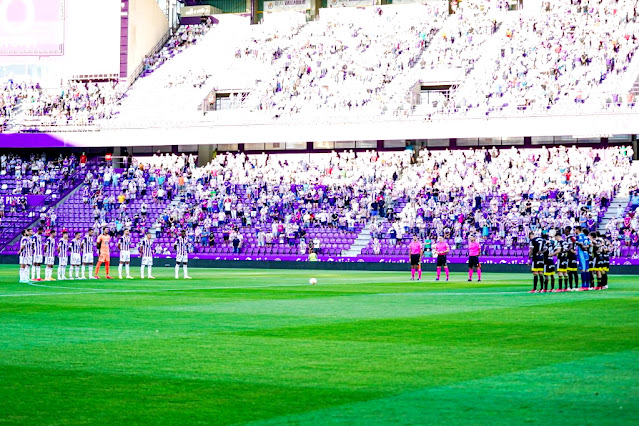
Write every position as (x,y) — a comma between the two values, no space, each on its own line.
(312,281)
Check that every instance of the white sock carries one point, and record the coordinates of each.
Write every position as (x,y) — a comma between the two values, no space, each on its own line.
(150,274)
(61,271)
(48,272)
(32,273)
(83,269)
(21,274)
(186,272)
(120,270)
(37,272)
(142,271)
(77,271)
(127,270)
(177,270)
(26,276)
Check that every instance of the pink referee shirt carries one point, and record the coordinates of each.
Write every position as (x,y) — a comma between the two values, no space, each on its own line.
(414,247)
(442,247)
(473,249)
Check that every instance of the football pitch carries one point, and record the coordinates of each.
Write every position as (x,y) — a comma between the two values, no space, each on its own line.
(265,347)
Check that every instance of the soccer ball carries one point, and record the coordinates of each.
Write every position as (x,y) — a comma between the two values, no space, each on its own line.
(312,281)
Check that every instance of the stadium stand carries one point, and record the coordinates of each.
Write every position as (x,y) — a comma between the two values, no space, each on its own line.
(22,179)
(362,63)
(366,205)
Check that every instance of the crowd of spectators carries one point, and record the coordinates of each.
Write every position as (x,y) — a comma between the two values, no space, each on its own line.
(35,175)
(264,200)
(623,228)
(276,201)
(75,103)
(342,62)
(503,194)
(460,41)
(10,92)
(559,56)
(122,198)
(185,37)
(568,54)
(571,54)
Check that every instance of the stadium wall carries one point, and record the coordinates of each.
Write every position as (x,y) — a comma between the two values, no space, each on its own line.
(147,25)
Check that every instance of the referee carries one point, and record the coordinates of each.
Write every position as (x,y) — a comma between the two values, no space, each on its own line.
(415,252)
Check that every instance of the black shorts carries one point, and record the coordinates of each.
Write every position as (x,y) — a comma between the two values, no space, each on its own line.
(441,260)
(537,264)
(573,265)
(549,267)
(563,265)
(473,262)
(598,263)
(415,259)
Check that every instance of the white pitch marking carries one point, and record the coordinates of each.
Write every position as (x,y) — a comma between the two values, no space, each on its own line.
(107,291)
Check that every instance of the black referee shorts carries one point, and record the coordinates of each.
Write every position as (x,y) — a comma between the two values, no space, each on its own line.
(415,259)
(441,260)
(473,261)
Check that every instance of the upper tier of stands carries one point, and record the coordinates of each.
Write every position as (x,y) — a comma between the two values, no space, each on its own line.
(367,64)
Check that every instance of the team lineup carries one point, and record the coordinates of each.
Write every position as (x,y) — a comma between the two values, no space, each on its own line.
(571,255)
(78,254)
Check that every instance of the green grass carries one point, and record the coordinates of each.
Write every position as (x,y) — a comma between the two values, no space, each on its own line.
(265,347)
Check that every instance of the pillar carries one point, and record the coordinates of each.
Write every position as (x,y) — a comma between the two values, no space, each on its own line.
(204,154)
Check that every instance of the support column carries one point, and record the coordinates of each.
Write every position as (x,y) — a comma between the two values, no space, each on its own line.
(204,154)
(251,8)
(315,7)
(124,40)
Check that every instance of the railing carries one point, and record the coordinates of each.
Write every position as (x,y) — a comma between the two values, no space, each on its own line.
(136,73)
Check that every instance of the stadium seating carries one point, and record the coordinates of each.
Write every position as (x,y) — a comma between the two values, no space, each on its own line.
(365,206)
(364,64)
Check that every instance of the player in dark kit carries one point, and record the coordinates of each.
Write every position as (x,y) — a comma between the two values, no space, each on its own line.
(535,253)
(562,262)
(573,264)
(593,253)
(598,253)
(605,263)
(550,268)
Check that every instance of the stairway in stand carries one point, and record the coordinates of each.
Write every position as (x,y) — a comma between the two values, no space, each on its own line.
(360,242)
(619,201)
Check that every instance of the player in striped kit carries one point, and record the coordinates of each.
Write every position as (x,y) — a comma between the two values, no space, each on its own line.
(37,255)
(63,255)
(181,255)
(76,256)
(124,245)
(88,245)
(26,255)
(146,253)
(49,256)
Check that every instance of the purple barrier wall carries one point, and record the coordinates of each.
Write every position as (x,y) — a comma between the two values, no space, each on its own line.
(194,20)
(32,200)
(486,260)
(30,140)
